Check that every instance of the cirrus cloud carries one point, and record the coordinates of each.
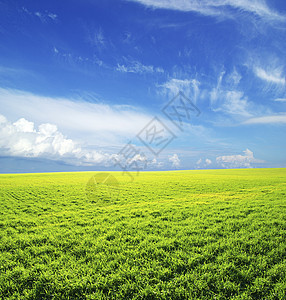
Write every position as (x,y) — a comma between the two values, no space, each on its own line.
(92,121)
(271,76)
(273,119)
(219,8)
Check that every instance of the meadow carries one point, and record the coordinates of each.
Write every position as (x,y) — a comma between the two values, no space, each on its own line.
(209,234)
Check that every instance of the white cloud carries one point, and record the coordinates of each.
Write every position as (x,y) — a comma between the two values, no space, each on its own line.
(137,67)
(203,163)
(174,159)
(234,78)
(22,139)
(219,8)
(96,38)
(52,16)
(12,73)
(215,92)
(73,59)
(23,125)
(236,103)
(44,16)
(138,158)
(92,123)
(229,101)
(189,87)
(155,164)
(274,119)
(280,99)
(238,161)
(274,75)
(96,131)
(38,14)
(227,98)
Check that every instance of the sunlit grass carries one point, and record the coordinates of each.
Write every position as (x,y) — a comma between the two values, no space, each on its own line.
(214,234)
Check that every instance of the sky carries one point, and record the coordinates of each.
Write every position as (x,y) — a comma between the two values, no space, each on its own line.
(137,85)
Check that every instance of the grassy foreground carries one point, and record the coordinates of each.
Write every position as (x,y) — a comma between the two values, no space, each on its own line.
(213,234)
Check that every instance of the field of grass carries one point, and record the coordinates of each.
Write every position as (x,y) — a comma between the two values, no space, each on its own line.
(212,234)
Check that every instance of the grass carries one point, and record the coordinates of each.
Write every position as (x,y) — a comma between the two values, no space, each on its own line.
(213,234)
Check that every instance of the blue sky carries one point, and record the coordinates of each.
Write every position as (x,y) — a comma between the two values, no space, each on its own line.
(80,80)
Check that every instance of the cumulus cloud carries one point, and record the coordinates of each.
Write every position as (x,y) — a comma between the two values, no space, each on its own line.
(22,139)
(218,8)
(174,159)
(238,161)
(203,163)
(138,162)
(155,164)
(95,131)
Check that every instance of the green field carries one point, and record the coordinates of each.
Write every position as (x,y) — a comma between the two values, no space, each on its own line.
(212,234)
